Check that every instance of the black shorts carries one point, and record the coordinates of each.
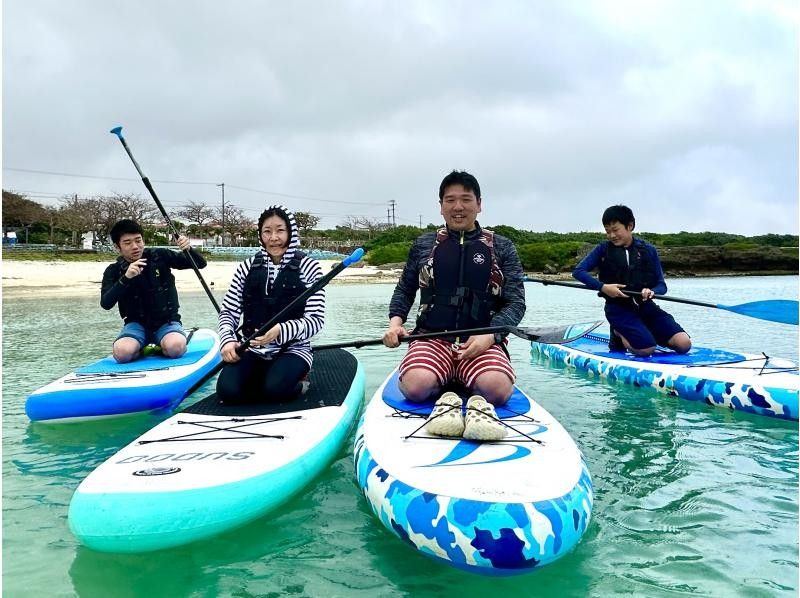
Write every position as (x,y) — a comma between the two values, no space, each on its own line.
(645,325)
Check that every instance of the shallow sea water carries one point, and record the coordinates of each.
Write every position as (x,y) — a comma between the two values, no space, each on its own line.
(689,499)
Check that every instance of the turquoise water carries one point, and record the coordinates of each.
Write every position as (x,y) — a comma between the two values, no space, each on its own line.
(689,499)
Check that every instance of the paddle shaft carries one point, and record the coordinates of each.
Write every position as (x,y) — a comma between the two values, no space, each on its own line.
(577,285)
(783,311)
(546,335)
(280,316)
(415,337)
(118,132)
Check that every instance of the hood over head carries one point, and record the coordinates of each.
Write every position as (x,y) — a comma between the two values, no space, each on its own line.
(288,216)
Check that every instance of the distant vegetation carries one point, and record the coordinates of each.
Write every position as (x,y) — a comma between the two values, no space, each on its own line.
(540,251)
(63,227)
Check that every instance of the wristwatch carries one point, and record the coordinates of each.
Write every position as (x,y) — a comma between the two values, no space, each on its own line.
(499,337)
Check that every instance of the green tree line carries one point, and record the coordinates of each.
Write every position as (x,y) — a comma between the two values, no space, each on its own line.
(540,251)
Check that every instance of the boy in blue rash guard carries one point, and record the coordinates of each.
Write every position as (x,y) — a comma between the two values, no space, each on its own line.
(625,262)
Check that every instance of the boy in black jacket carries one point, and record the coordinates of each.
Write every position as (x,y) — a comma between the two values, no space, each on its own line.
(141,282)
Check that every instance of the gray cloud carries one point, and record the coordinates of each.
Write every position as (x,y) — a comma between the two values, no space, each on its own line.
(686,111)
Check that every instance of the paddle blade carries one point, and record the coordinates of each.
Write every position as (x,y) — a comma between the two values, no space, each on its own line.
(353,257)
(784,311)
(553,335)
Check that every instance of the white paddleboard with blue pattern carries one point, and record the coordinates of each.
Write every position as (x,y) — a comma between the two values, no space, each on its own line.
(495,508)
(757,384)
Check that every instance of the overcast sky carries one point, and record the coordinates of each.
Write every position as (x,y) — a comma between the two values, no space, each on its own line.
(685,111)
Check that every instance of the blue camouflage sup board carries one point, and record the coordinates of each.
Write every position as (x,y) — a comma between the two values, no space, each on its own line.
(106,388)
(754,383)
(494,508)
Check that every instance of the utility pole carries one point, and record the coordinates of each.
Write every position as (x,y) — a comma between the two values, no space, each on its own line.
(394,220)
(223,212)
(388,217)
(420,220)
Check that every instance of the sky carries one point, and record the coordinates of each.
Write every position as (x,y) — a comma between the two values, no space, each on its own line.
(685,111)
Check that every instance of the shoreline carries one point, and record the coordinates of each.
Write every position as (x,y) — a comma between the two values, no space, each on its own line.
(34,278)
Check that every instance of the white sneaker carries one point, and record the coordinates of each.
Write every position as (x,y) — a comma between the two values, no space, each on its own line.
(482,422)
(446,418)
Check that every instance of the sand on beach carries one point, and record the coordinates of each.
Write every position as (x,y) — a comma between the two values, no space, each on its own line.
(22,278)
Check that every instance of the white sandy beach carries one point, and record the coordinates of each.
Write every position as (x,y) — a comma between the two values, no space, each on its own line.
(56,278)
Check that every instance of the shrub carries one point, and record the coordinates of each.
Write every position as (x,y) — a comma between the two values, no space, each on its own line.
(389,254)
(538,256)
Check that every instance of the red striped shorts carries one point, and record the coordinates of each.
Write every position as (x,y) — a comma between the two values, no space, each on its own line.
(437,356)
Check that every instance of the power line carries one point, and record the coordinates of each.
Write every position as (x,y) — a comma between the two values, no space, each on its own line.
(106,178)
(176,203)
(359,203)
(251,190)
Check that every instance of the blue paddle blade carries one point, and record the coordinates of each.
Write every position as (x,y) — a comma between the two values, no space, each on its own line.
(116,131)
(784,311)
(353,257)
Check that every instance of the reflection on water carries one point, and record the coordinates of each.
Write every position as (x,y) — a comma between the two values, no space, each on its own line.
(688,498)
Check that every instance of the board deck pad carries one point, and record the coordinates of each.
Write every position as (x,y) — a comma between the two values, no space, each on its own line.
(330,378)
(195,351)
(597,344)
(518,403)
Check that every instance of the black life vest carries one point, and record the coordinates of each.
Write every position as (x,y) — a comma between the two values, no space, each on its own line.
(152,299)
(260,304)
(615,268)
(460,283)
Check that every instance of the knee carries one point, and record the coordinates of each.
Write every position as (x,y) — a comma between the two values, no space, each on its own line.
(173,345)
(681,343)
(419,385)
(228,388)
(280,390)
(495,387)
(647,352)
(125,350)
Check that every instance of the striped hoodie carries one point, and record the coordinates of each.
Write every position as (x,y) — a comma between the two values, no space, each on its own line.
(294,333)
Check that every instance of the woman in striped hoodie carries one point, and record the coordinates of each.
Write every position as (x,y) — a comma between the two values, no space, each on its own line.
(275,365)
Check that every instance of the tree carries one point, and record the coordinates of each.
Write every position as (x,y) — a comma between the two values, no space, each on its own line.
(51,217)
(78,215)
(196,213)
(362,223)
(237,225)
(305,222)
(120,206)
(21,212)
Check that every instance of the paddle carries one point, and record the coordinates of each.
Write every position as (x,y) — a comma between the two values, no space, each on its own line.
(784,311)
(118,132)
(544,334)
(351,259)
